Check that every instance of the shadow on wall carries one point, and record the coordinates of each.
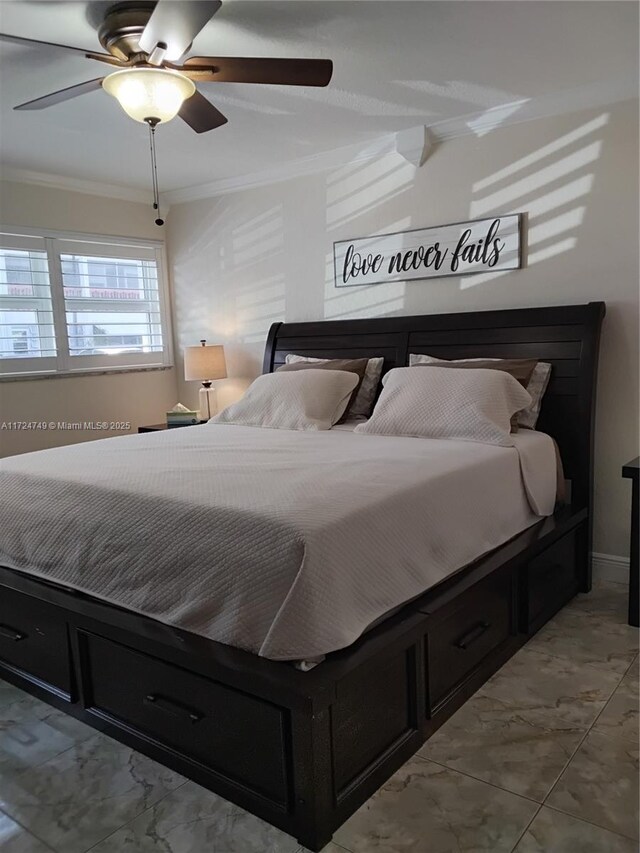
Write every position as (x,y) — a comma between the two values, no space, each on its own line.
(549,185)
(548,194)
(242,273)
(242,290)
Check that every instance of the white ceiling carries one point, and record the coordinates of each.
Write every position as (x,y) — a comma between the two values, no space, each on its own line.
(455,66)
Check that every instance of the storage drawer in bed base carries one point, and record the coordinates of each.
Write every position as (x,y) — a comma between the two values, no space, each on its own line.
(552,578)
(301,750)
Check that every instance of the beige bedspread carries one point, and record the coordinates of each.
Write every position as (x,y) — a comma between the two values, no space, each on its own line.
(286,544)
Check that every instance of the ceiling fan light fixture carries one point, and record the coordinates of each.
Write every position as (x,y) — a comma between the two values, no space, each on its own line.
(149,93)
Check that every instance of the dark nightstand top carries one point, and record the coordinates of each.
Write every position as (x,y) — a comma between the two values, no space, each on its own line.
(631,469)
(160,427)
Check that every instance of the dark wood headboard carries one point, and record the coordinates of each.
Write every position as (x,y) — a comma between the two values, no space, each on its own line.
(567,336)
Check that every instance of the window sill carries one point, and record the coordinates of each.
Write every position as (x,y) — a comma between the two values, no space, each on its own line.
(99,371)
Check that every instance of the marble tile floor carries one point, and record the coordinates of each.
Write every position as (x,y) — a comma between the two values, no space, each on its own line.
(542,759)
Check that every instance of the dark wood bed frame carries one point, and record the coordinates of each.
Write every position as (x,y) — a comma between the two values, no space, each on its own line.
(305,750)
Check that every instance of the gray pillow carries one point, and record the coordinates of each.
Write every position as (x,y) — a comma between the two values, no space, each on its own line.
(351,365)
(366,396)
(536,386)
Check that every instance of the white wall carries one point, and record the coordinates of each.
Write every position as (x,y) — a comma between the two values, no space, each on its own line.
(242,261)
(138,398)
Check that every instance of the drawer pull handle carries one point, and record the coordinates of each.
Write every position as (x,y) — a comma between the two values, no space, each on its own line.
(471,636)
(10,633)
(173,709)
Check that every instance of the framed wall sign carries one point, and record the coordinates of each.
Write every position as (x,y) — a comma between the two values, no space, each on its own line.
(463,248)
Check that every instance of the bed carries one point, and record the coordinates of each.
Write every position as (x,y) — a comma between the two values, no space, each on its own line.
(214,695)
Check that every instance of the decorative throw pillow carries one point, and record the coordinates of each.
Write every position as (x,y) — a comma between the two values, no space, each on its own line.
(536,386)
(351,365)
(462,404)
(308,400)
(366,396)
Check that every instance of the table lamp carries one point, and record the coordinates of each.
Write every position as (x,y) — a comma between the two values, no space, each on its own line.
(205,363)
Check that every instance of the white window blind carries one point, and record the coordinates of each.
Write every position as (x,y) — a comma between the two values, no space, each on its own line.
(27,334)
(71,304)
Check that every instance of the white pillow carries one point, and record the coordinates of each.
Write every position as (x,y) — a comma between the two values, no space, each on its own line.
(305,400)
(536,387)
(366,396)
(470,405)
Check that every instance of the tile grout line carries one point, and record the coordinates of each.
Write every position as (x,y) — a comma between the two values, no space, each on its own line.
(477,779)
(526,829)
(597,667)
(590,823)
(543,804)
(580,742)
(543,653)
(606,704)
(564,770)
(575,752)
(571,757)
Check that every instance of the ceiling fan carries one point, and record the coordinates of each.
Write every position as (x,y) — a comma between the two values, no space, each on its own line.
(146,41)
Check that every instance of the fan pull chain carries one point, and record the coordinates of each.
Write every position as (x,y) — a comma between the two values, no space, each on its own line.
(154,169)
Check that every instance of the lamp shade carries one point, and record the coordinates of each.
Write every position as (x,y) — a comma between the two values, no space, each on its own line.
(149,93)
(204,362)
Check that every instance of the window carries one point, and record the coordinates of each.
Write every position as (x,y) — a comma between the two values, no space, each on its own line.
(72,304)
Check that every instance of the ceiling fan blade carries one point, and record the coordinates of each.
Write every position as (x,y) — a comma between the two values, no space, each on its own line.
(279,72)
(200,114)
(176,23)
(62,95)
(103,57)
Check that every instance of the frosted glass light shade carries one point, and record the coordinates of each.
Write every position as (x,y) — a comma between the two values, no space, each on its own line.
(204,362)
(145,93)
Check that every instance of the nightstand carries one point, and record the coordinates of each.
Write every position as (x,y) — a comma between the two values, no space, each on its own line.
(160,427)
(632,470)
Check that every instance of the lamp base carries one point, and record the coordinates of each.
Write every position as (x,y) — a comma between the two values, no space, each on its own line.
(207,402)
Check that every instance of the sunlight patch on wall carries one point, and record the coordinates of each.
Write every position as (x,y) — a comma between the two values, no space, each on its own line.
(262,304)
(373,184)
(565,194)
(541,153)
(545,221)
(537,180)
(552,251)
(258,238)
(556,225)
(537,234)
(469,281)
(376,300)
(254,281)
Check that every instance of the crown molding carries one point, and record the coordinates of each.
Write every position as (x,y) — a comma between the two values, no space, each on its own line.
(335,158)
(77,185)
(477,123)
